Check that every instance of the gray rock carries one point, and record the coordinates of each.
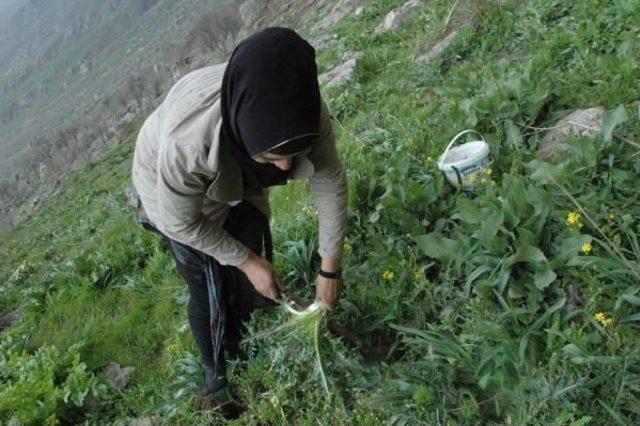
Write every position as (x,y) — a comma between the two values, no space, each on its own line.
(251,10)
(323,41)
(128,117)
(580,123)
(400,15)
(343,72)
(339,11)
(118,376)
(8,319)
(146,421)
(132,197)
(438,48)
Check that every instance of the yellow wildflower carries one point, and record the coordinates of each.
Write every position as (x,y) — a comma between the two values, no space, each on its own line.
(586,248)
(611,218)
(347,247)
(483,181)
(603,319)
(173,348)
(388,275)
(488,171)
(472,176)
(428,160)
(574,220)
(418,274)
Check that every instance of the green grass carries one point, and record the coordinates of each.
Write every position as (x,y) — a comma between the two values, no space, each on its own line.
(468,310)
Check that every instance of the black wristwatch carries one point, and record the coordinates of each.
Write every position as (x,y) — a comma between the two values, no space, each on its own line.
(330,275)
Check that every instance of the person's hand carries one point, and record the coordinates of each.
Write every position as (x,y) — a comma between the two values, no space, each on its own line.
(328,290)
(262,276)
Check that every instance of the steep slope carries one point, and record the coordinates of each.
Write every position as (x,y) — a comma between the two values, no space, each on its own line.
(516,304)
(62,57)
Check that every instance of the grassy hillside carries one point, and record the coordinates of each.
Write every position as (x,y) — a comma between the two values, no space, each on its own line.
(516,305)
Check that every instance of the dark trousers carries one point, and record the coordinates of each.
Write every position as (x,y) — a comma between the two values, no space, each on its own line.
(221,298)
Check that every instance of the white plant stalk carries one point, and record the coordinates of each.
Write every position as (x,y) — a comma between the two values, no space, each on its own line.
(304,319)
(313,314)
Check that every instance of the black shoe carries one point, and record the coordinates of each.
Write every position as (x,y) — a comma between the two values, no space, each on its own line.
(211,382)
(216,394)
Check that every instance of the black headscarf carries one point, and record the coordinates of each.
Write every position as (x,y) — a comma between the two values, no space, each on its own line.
(270,102)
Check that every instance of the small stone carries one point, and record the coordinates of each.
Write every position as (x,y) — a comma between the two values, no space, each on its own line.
(132,197)
(118,376)
(343,72)
(8,319)
(400,15)
(580,123)
(128,117)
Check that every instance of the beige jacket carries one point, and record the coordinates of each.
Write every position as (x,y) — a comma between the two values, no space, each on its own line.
(187,180)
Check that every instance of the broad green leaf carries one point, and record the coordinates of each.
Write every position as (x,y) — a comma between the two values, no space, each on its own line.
(542,279)
(545,173)
(573,349)
(477,272)
(444,249)
(526,254)
(468,211)
(514,137)
(611,120)
(490,225)
(484,381)
(568,248)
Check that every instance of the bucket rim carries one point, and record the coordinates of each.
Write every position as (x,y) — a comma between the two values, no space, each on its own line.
(454,140)
(482,152)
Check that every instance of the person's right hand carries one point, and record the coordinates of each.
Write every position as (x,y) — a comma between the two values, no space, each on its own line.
(262,275)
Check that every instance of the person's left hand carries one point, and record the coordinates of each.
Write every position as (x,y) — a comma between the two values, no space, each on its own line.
(328,290)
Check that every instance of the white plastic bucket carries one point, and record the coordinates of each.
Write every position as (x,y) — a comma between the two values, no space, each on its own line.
(462,164)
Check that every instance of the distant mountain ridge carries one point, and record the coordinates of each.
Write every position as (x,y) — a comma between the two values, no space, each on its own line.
(72,53)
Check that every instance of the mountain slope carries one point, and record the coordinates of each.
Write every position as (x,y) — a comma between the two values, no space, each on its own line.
(60,58)
(513,305)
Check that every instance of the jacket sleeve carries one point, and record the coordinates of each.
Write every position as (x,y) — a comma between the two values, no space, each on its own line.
(329,187)
(183,179)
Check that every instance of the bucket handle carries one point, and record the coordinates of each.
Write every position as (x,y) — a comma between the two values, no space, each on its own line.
(455,138)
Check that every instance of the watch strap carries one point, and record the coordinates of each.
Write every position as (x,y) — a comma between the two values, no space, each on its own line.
(330,275)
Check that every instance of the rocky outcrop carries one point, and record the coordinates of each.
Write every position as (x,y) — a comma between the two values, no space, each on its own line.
(438,48)
(339,11)
(580,123)
(343,72)
(323,41)
(252,10)
(400,15)
(146,421)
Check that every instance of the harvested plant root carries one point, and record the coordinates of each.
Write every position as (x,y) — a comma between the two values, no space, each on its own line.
(304,322)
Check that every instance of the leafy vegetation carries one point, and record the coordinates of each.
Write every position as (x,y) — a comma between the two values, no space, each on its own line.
(517,304)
